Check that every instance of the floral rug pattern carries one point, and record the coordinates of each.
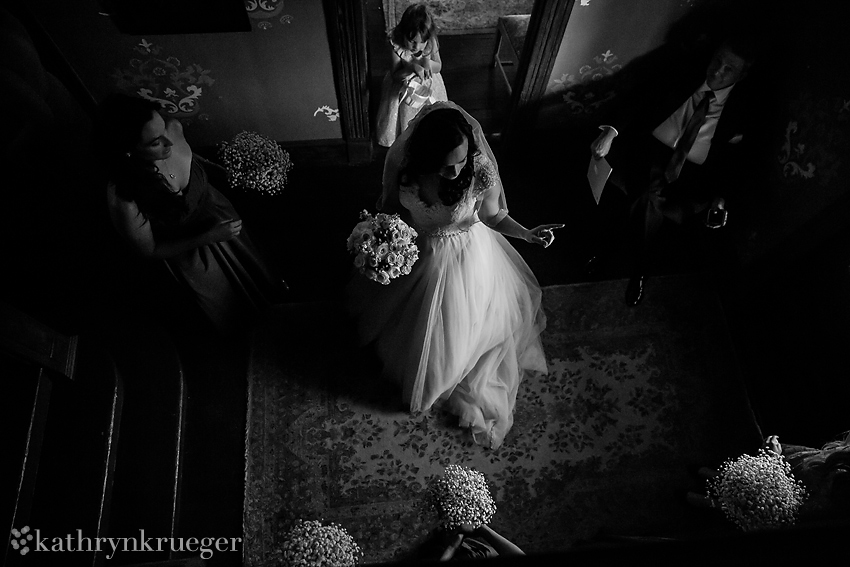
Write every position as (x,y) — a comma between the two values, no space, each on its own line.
(459,16)
(631,399)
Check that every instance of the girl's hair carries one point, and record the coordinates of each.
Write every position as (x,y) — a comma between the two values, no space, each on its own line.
(118,130)
(438,133)
(415,20)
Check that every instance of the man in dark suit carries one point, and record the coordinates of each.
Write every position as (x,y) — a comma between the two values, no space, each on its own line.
(679,139)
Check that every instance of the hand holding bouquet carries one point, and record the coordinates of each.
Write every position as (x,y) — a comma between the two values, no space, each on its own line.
(462,498)
(309,543)
(758,492)
(383,247)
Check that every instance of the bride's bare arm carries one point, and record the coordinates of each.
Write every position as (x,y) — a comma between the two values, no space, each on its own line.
(496,217)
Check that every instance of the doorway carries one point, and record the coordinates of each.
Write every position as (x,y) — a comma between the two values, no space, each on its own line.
(472,81)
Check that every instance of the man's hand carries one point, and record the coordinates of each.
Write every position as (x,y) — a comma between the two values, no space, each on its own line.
(602,144)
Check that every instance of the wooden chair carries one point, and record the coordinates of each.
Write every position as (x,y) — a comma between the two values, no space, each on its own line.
(513,29)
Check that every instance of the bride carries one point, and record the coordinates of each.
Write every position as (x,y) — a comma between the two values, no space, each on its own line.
(465,324)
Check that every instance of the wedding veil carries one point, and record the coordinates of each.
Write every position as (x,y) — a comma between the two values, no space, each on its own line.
(397,157)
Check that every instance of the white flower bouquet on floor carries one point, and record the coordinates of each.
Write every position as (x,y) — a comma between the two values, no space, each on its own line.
(758,492)
(462,496)
(383,246)
(255,163)
(309,543)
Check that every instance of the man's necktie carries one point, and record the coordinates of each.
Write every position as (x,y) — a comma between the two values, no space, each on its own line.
(689,136)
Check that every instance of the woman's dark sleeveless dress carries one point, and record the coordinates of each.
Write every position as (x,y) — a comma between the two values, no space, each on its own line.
(230,281)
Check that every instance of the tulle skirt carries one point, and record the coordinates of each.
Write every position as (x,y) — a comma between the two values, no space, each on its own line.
(463,327)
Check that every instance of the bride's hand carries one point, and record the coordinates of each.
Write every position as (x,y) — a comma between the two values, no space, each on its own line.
(543,234)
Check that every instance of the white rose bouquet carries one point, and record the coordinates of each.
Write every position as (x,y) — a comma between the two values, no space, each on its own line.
(255,163)
(309,543)
(462,496)
(383,246)
(758,492)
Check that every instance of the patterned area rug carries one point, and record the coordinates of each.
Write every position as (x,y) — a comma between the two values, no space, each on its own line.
(603,442)
(459,16)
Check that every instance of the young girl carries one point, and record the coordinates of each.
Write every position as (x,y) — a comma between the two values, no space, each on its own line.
(416,56)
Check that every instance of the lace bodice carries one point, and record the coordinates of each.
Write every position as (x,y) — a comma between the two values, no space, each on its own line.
(440,220)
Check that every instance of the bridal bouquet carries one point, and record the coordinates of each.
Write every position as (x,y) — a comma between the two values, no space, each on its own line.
(255,163)
(461,496)
(758,492)
(383,247)
(309,543)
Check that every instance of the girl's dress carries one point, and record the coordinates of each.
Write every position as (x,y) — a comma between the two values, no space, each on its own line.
(393,114)
(465,324)
(228,280)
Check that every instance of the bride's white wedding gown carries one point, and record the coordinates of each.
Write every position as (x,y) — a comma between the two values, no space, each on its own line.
(465,324)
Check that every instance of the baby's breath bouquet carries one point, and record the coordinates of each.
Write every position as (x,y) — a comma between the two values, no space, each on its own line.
(309,543)
(384,247)
(255,163)
(461,496)
(758,492)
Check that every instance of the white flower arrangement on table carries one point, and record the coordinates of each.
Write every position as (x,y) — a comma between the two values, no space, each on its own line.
(255,163)
(758,492)
(384,247)
(462,496)
(309,543)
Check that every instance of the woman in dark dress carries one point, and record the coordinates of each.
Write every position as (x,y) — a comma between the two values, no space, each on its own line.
(163,204)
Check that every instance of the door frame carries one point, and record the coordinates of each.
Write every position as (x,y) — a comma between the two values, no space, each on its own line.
(346,27)
(546,29)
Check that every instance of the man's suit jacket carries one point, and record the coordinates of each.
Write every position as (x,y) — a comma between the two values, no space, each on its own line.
(671,77)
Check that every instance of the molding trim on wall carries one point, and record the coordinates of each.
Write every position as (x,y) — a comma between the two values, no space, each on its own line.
(545,32)
(347,34)
(324,142)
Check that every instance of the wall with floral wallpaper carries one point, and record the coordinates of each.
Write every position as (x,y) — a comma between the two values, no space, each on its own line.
(809,151)
(276,80)
(601,37)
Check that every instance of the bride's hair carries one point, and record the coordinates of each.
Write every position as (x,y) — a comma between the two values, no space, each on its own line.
(435,137)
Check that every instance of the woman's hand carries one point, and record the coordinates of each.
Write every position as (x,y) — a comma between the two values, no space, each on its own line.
(452,541)
(225,230)
(542,234)
(772,444)
(602,144)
